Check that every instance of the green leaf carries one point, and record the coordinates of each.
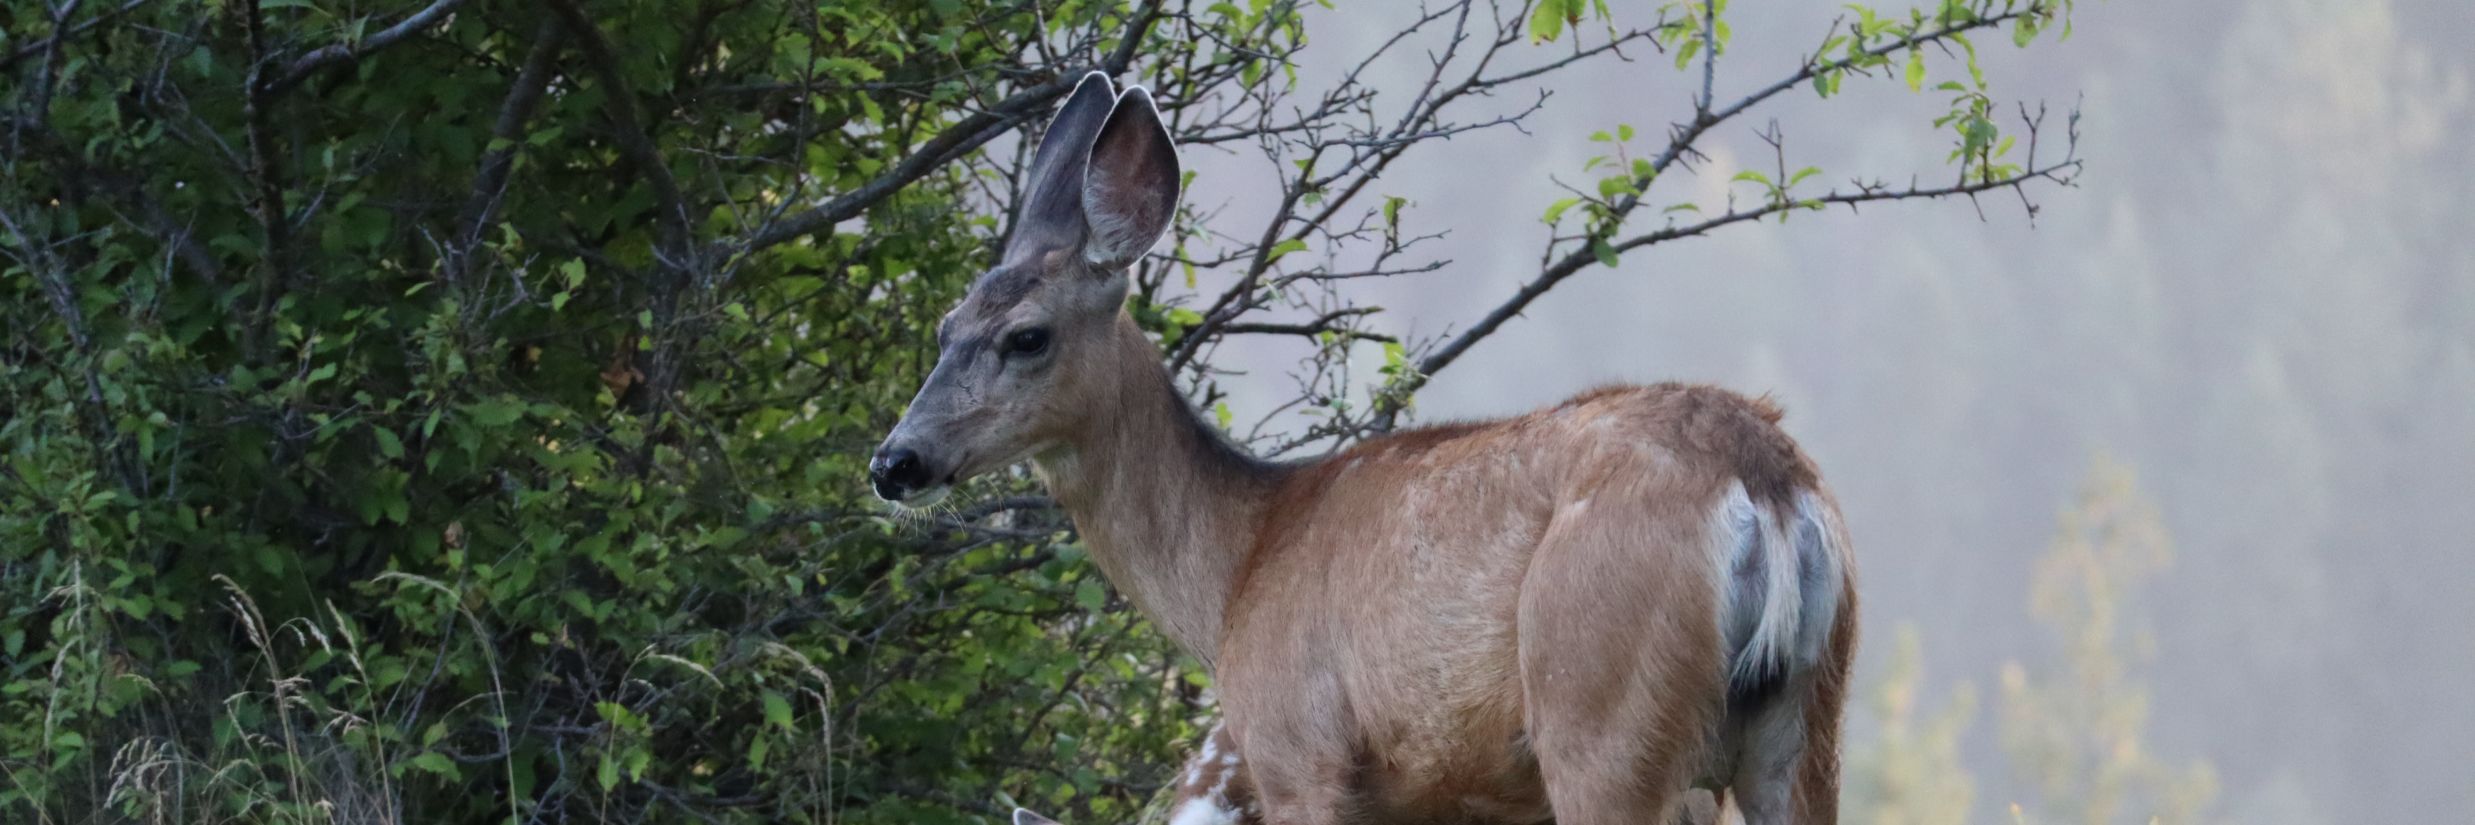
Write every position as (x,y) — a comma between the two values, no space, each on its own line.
(1547,21)
(1221,414)
(1090,595)
(1555,211)
(436,763)
(497,412)
(1605,251)
(1916,70)
(1284,248)
(388,444)
(778,711)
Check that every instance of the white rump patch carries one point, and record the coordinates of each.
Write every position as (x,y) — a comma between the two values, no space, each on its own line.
(1820,556)
(1779,575)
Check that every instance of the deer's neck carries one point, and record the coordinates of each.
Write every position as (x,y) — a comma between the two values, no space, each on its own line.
(1167,505)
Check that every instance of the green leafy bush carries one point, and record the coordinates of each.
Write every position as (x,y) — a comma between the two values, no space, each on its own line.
(385,440)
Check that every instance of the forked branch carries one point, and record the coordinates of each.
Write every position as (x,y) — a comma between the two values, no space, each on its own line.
(1569,255)
(347,53)
(2064,173)
(950,143)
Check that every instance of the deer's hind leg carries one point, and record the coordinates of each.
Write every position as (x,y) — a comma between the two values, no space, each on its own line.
(1787,768)
(1620,665)
(1817,768)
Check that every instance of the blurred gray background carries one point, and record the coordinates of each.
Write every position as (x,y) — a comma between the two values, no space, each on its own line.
(2261,298)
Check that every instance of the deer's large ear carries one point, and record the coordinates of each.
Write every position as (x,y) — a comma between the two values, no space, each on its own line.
(1025,817)
(1130,186)
(1051,213)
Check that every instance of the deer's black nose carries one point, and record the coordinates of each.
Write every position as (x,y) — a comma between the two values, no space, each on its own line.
(897,472)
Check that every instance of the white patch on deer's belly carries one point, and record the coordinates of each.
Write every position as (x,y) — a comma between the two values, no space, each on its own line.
(1204,811)
(1211,744)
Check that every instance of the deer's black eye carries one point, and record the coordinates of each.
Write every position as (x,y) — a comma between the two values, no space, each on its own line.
(1031,341)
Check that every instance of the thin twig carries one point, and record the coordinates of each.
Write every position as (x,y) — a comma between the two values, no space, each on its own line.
(345,54)
(950,143)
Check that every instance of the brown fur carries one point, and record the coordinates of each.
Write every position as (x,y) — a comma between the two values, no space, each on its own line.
(1504,621)
(1422,628)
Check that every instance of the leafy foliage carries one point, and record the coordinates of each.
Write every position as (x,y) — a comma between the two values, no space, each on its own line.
(540,473)
(2074,734)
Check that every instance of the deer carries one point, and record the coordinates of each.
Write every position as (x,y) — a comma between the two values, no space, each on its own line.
(1579,614)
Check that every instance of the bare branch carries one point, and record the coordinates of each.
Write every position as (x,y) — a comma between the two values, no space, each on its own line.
(490,183)
(265,168)
(47,72)
(345,54)
(1710,55)
(1681,144)
(46,44)
(1329,323)
(628,130)
(51,273)
(952,142)
(2063,172)
(1328,188)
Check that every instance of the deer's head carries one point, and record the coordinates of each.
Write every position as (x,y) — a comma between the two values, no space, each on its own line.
(1030,348)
